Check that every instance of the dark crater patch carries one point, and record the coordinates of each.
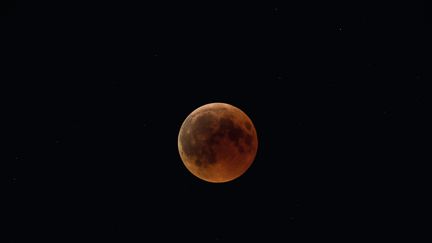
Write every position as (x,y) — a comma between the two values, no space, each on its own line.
(198,162)
(248,125)
(235,133)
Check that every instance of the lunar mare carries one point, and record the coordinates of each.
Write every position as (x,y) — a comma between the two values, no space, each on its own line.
(217,142)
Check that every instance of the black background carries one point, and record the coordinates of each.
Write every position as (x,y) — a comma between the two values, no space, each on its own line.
(102,88)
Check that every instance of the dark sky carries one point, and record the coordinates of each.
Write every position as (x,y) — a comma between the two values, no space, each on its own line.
(102,88)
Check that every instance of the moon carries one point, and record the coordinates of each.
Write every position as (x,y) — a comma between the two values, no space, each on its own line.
(217,142)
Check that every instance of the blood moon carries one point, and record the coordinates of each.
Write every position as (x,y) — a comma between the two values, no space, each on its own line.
(217,142)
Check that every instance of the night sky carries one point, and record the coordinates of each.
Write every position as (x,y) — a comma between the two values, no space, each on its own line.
(101,88)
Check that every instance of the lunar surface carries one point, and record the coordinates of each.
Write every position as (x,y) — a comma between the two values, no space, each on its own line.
(217,142)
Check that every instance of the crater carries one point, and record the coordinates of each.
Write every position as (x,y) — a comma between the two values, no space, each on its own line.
(248,125)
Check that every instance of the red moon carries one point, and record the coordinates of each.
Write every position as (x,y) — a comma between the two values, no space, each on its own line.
(217,142)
